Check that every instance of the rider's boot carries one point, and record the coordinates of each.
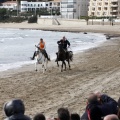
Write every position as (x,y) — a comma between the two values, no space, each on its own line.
(47,57)
(32,58)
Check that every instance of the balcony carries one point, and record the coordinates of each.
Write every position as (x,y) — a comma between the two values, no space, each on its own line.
(114,5)
(114,0)
(114,11)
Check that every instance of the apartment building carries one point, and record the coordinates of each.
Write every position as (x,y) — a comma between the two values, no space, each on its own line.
(33,6)
(73,9)
(102,8)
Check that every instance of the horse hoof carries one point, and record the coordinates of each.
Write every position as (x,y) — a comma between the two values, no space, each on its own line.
(36,70)
(45,69)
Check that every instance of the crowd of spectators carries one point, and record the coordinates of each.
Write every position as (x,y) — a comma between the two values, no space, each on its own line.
(99,107)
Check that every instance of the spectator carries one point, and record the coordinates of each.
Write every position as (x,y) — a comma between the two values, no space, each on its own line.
(118,108)
(15,110)
(111,117)
(39,116)
(75,116)
(99,105)
(63,114)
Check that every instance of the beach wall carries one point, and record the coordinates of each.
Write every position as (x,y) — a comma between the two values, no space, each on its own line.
(75,22)
(51,21)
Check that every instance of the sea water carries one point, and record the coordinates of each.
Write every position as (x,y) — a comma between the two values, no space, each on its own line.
(18,45)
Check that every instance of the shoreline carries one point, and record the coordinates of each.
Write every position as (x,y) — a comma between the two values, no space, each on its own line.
(106,29)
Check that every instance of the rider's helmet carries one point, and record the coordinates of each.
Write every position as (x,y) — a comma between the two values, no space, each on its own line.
(14,107)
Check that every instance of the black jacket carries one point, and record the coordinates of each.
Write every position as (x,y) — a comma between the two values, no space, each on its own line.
(97,110)
(18,117)
(64,43)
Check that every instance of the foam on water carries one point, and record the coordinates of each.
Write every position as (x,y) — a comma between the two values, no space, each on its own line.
(17,46)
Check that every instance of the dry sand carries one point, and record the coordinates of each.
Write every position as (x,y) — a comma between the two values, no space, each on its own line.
(97,69)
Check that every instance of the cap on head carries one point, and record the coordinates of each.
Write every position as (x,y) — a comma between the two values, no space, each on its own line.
(14,107)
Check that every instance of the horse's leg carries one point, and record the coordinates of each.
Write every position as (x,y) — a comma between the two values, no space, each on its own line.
(69,64)
(43,67)
(35,66)
(57,63)
(64,65)
(45,64)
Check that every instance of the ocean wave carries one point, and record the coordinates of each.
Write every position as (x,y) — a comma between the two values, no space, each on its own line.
(4,67)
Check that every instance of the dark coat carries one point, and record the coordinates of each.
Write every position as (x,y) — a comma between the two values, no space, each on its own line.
(97,110)
(64,43)
(18,117)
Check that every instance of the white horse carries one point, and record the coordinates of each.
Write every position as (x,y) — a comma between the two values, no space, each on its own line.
(40,59)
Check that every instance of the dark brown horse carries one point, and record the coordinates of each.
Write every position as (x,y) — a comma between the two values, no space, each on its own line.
(63,56)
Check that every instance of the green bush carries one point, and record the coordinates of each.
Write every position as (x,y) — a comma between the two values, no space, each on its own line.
(15,19)
(32,19)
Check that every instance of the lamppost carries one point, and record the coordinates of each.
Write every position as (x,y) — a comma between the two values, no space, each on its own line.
(103,17)
(112,17)
(78,11)
(92,17)
(51,12)
(17,7)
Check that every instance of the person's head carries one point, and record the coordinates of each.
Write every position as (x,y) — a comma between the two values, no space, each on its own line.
(75,116)
(14,107)
(95,113)
(39,116)
(118,108)
(63,114)
(92,98)
(64,38)
(111,117)
(41,40)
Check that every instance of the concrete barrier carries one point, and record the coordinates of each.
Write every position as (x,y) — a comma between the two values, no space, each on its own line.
(48,21)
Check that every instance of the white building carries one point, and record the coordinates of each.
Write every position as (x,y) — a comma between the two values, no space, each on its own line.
(10,5)
(73,9)
(32,6)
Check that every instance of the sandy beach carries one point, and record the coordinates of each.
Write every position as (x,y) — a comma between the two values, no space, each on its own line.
(96,69)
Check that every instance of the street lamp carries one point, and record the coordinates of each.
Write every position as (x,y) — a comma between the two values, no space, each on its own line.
(92,17)
(103,17)
(17,7)
(112,17)
(78,11)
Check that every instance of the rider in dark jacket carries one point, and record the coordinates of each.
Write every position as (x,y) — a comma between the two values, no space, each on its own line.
(15,110)
(64,42)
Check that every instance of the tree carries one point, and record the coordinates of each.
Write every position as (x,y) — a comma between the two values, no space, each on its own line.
(87,19)
(3,13)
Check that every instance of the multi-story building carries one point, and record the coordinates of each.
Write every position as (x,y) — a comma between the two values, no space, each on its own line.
(33,6)
(10,5)
(101,8)
(74,8)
